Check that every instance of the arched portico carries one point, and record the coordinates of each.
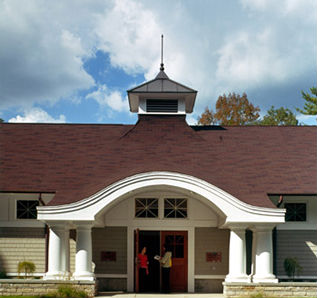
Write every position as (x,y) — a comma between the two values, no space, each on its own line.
(235,215)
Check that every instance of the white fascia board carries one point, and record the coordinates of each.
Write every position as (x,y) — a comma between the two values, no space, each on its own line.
(234,210)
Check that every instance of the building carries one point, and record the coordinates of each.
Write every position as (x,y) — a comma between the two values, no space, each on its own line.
(217,195)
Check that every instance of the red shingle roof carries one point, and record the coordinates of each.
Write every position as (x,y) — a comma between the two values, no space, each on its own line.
(76,161)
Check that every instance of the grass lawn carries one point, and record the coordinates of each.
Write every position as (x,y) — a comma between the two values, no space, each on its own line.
(19,296)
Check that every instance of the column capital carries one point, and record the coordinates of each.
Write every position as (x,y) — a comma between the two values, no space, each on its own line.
(58,225)
(84,225)
(237,227)
(263,228)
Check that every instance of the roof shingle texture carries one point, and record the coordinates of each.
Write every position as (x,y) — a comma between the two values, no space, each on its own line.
(76,161)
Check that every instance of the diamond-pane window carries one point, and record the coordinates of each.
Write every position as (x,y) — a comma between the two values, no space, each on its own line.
(26,209)
(147,208)
(295,211)
(175,208)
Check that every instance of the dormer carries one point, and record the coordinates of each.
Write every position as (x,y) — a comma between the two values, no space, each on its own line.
(162,96)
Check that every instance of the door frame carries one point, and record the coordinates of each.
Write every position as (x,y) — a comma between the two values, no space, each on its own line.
(191,253)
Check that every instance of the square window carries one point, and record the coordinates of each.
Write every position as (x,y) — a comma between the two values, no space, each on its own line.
(146,208)
(175,208)
(295,211)
(26,209)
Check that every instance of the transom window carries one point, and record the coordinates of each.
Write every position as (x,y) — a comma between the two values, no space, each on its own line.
(175,208)
(295,211)
(147,208)
(26,209)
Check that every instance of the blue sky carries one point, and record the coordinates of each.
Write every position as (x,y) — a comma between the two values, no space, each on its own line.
(72,61)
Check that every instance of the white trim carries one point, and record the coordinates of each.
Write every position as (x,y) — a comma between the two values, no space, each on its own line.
(297,277)
(233,209)
(210,276)
(191,260)
(23,274)
(130,259)
(111,275)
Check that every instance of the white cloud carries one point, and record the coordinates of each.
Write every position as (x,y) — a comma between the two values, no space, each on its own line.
(191,119)
(231,46)
(247,59)
(41,60)
(130,33)
(112,99)
(37,115)
(307,119)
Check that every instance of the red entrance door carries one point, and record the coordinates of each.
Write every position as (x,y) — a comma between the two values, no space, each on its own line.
(177,241)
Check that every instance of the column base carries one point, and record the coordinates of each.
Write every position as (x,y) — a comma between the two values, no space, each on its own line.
(238,278)
(84,275)
(265,279)
(57,275)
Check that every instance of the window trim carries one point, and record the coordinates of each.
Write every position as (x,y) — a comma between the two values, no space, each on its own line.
(146,198)
(306,212)
(160,196)
(16,209)
(175,198)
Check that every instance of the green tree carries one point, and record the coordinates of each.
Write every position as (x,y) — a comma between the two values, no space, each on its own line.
(310,107)
(231,110)
(1,120)
(279,116)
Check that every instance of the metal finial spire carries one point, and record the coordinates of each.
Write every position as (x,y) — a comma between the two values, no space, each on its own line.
(162,64)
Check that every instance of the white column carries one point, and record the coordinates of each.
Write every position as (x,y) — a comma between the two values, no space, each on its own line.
(58,253)
(263,256)
(65,258)
(83,264)
(237,256)
(130,259)
(191,260)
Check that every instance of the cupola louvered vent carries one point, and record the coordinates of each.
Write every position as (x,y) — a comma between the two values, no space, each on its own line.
(161,106)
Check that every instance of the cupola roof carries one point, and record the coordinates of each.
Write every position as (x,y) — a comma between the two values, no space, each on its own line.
(162,87)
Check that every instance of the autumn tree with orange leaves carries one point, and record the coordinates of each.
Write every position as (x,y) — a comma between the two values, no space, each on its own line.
(231,110)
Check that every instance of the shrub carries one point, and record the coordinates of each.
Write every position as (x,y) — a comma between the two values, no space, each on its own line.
(3,275)
(66,291)
(26,267)
(292,267)
(258,295)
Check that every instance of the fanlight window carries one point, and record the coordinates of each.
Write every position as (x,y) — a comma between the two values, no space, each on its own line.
(147,208)
(175,208)
(26,209)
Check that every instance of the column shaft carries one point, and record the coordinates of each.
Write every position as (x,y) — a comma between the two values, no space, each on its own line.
(83,254)
(237,257)
(264,257)
(58,266)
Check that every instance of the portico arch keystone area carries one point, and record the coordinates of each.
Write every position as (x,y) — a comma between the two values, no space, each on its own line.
(225,200)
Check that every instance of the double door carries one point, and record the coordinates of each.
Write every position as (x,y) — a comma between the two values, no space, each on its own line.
(177,241)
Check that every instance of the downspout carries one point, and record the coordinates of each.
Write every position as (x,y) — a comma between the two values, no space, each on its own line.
(47,231)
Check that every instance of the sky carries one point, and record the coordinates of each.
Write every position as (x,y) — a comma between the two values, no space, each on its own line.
(72,61)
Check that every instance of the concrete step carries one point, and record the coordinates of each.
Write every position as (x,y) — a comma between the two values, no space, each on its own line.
(149,295)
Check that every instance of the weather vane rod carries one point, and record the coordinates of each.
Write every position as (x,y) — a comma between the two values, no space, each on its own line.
(162,64)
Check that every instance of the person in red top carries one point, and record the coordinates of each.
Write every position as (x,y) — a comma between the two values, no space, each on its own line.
(143,269)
